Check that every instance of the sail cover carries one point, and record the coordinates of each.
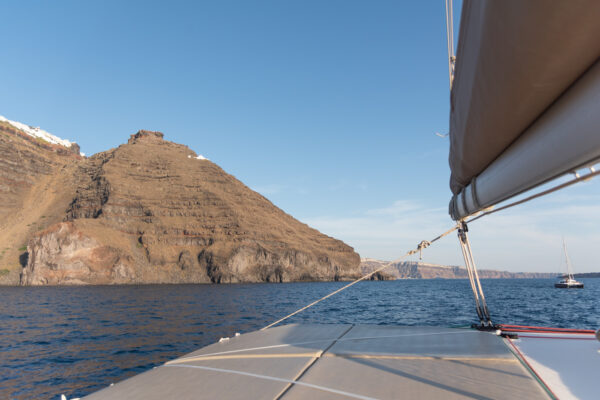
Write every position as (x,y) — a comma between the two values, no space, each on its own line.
(525,102)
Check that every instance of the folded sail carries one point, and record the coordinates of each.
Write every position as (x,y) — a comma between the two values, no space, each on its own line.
(525,102)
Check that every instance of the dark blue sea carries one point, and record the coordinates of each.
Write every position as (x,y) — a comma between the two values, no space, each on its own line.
(75,340)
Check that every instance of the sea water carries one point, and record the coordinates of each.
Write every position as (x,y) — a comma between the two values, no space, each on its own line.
(76,340)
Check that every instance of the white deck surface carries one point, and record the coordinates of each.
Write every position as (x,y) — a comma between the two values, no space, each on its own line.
(569,364)
(340,362)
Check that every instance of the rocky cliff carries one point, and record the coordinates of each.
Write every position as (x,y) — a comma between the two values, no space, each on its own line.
(150,211)
(420,270)
(36,186)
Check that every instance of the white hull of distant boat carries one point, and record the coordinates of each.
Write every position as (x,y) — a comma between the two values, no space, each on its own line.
(569,284)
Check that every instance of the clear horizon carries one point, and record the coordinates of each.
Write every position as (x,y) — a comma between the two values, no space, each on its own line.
(327,109)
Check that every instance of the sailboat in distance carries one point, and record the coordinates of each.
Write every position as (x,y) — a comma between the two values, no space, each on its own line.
(568,282)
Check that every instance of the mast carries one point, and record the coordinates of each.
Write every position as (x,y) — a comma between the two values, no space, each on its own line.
(569,271)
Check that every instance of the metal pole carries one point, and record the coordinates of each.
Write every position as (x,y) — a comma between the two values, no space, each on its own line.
(480,303)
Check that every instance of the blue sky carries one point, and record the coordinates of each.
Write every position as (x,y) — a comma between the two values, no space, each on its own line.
(328,108)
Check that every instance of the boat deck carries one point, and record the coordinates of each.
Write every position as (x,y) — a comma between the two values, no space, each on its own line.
(341,361)
(567,363)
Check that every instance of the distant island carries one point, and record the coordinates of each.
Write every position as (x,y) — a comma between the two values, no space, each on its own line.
(421,270)
(587,275)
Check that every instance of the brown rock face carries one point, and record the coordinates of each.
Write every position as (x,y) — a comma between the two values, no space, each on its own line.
(149,211)
(64,255)
(36,186)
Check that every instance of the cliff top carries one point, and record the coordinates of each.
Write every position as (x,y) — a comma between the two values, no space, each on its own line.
(38,133)
(145,135)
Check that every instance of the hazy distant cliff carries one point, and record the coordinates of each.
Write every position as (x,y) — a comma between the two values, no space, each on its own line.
(148,211)
(420,270)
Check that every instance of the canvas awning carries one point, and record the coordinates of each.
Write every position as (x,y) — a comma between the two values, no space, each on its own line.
(525,102)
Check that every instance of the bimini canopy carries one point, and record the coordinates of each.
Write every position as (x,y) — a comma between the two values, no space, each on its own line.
(525,101)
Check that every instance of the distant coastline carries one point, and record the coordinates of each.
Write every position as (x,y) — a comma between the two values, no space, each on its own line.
(587,275)
(421,270)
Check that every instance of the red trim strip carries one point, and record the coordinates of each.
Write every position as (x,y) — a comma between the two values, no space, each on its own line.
(546,328)
(554,337)
(547,331)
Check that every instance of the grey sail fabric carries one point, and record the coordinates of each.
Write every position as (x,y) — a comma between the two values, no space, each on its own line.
(515,61)
(566,137)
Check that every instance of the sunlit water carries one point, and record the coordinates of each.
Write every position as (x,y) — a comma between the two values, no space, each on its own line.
(75,340)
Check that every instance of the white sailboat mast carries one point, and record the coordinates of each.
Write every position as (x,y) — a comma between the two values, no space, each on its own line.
(569,271)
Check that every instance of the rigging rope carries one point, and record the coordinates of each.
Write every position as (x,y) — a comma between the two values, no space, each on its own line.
(553,189)
(480,303)
(482,310)
(422,245)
